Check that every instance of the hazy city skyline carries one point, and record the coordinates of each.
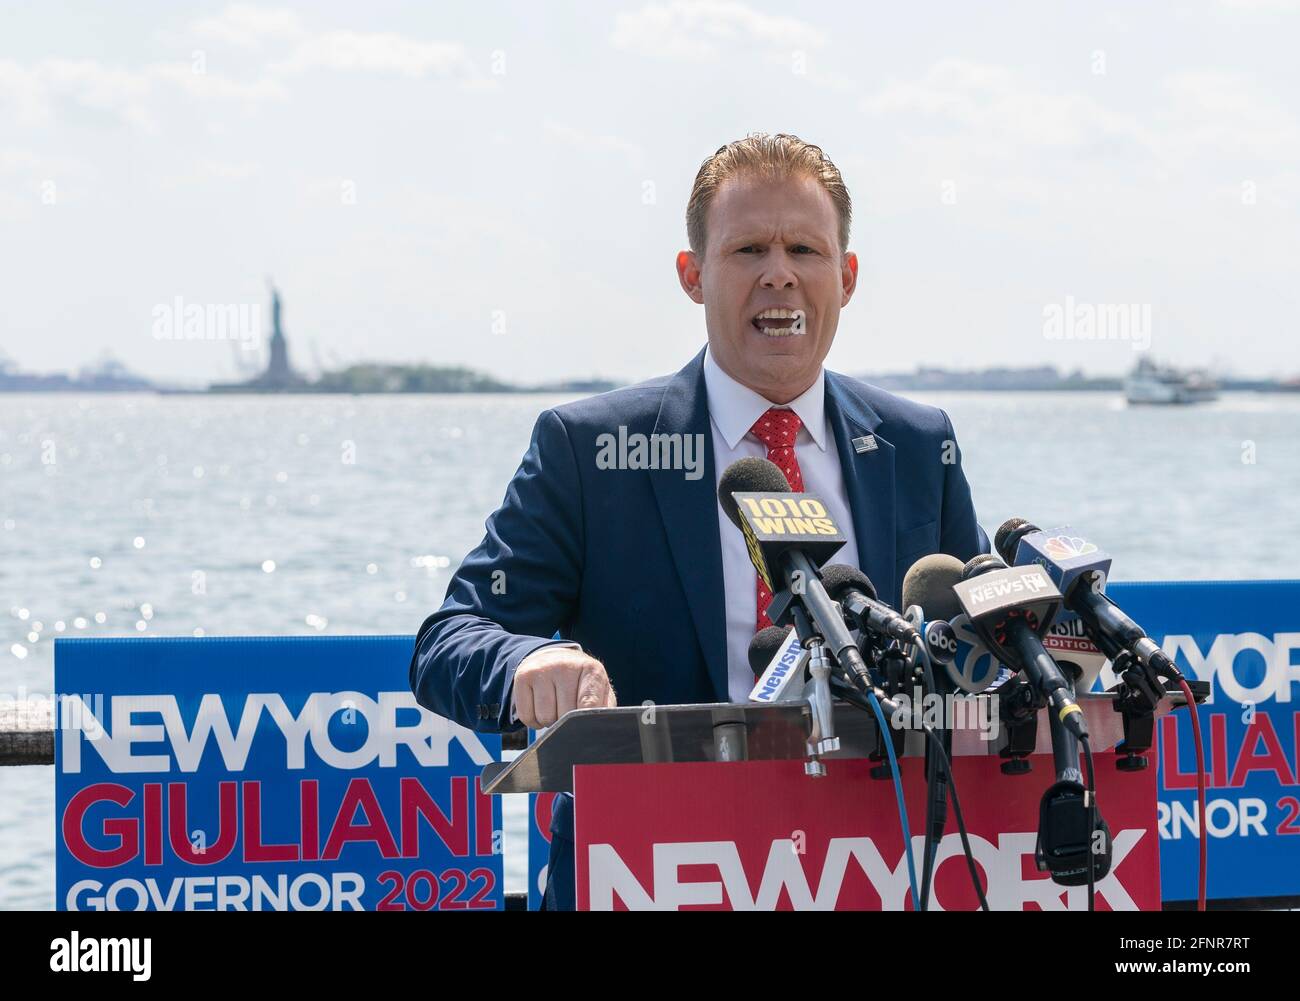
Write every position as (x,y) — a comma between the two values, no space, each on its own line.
(503,186)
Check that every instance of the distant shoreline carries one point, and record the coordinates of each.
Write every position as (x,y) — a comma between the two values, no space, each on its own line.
(411,380)
(560,390)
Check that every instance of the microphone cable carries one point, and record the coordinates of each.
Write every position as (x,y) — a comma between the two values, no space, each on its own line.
(1091,795)
(1200,792)
(898,794)
(933,775)
(869,700)
(944,765)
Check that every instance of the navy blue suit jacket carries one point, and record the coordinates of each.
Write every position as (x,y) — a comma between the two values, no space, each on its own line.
(628,563)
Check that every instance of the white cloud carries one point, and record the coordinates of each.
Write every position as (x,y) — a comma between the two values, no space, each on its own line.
(980,113)
(381,52)
(248,26)
(34,92)
(223,170)
(1268,6)
(1001,112)
(1227,114)
(698,30)
(217,87)
(32,164)
(592,143)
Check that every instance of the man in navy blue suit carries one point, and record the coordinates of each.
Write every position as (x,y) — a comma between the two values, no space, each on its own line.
(609,574)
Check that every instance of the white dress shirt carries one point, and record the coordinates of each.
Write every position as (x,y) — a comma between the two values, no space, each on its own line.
(733,409)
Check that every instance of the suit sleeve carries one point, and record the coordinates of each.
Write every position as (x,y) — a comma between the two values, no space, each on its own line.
(511,594)
(960,535)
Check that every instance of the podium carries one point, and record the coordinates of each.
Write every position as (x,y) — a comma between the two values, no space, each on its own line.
(709,807)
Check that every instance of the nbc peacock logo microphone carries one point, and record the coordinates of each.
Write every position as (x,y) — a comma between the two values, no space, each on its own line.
(1067,547)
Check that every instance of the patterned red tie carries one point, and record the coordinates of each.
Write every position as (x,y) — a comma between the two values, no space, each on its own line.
(777,430)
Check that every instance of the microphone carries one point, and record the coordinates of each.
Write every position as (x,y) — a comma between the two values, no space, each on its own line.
(857,595)
(1079,568)
(1011,608)
(929,584)
(765,645)
(779,661)
(788,536)
(929,599)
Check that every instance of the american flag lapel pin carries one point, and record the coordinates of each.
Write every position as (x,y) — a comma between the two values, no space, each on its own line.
(867,443)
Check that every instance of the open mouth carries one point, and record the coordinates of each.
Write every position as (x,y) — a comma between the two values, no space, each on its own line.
(780,322)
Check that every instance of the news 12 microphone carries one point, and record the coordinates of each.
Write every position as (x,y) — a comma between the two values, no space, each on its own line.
(1010,609)
(780,662)
(1079,569)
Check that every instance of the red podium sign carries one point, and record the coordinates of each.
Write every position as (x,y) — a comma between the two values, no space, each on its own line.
(761,835)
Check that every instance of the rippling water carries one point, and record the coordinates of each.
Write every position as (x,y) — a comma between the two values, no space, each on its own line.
(153,515)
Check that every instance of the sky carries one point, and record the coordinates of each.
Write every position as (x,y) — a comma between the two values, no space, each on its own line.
(503,185)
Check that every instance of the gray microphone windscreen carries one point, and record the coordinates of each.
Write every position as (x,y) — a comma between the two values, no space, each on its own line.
(929,584)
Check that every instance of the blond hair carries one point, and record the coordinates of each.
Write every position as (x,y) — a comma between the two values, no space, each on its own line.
(774,157)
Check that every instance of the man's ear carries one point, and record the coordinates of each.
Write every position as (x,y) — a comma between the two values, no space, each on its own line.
(848,276)
(688,273)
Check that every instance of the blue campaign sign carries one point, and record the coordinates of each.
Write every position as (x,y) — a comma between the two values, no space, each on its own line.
(1244,638)
(277,773)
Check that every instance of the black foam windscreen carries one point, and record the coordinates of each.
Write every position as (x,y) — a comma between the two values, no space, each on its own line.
(982,563)
(1009,536)
(749,475)
(764,645)
(929,582)
(837,577)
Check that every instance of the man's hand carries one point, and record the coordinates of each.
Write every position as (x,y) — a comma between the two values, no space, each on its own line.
(554,679)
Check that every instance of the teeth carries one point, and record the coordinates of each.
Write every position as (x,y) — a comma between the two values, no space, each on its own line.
(797,315)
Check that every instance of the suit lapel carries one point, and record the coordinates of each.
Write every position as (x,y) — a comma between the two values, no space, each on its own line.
(689,509)
(868,480)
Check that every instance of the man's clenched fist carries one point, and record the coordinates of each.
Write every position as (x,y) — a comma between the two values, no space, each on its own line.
(554,679)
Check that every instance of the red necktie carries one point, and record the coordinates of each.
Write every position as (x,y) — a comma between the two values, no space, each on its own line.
(777,430)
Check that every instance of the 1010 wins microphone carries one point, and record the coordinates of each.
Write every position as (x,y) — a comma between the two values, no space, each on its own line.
(788,536)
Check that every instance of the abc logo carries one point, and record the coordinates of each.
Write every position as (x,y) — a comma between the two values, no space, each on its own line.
(941,641)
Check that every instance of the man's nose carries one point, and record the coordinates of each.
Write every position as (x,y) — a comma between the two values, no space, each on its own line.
(778,273)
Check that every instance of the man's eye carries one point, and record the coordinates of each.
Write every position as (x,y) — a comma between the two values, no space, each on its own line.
(802,249)
(750,249)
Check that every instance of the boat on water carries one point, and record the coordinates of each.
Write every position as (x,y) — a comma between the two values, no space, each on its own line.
(1152,383)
